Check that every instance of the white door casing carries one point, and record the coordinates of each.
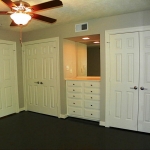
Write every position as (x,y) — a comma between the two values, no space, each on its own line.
(42,76)
(8,79)
(143,117)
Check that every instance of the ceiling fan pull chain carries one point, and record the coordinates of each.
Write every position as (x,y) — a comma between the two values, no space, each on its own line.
(21,35)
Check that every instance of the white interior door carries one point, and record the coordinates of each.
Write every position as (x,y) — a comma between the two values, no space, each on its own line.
(144,93)
(32,74)
(48,76)
(41,77)
(124,53)
(8,79)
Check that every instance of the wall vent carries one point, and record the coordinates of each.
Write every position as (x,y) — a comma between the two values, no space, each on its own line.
(81,27)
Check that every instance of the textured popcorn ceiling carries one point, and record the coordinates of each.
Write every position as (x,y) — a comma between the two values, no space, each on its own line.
(76,11)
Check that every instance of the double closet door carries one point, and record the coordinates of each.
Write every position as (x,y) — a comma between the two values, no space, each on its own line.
(130,81)
(41,77)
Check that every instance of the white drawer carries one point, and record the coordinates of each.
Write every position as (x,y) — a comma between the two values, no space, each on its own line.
(74,83)
(74,96)
(75,103)
(92,84)
(92,97)
(75,111)
(92,113)
(74,89)
(92,91)
(92,105)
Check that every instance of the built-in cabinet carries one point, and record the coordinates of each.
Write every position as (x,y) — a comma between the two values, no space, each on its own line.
(83,99)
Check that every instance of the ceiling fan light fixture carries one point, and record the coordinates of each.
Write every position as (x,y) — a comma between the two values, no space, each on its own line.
(20,18)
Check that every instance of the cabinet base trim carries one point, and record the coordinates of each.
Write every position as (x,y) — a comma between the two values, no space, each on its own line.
(63,116)
(22,109)
(102,123)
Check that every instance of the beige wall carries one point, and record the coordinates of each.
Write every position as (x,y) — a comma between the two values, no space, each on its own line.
(69,55)
(96,26)
(14,36)
(74,59)
(81,59)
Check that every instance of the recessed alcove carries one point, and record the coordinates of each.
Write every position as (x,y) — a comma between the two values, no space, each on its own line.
(81,56)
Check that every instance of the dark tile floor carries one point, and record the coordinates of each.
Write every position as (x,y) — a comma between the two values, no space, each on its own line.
(28,130)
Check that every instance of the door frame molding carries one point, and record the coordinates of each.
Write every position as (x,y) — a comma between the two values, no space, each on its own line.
(16,98)
(57,67)
(107,64)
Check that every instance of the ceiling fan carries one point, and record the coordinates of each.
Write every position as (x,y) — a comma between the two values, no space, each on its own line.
(21,12)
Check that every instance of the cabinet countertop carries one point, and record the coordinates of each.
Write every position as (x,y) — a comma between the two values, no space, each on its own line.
(96,78)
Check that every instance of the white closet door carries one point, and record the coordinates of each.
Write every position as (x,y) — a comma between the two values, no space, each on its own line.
(124,53)
(48,74)
(144,93)
(41,74)
(7,79)
(32,74)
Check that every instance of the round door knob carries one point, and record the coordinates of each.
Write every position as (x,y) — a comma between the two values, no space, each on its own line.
(142,88)
(37,82)
(135,87)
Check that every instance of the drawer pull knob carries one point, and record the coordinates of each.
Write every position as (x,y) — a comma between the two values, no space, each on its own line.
(74,103)
(73,96)
(91,105)
(91,114)
(91,91)
(73,84)
(73,90)
(91,85)
(74,111)
(91,97)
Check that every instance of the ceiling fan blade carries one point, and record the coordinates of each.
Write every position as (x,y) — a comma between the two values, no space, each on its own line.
(13,24)
(9,3)
(4,13)
(47,5)
(43,18)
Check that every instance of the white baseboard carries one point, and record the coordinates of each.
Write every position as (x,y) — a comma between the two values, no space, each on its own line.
(21,109)
(63,116)
(102,123)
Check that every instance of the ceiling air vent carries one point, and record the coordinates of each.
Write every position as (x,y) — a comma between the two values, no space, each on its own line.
(81,27)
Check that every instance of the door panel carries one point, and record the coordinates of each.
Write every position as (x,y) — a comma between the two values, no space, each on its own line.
(144,95)
(7,79)
(48,78)
(124,52)
(32,77)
